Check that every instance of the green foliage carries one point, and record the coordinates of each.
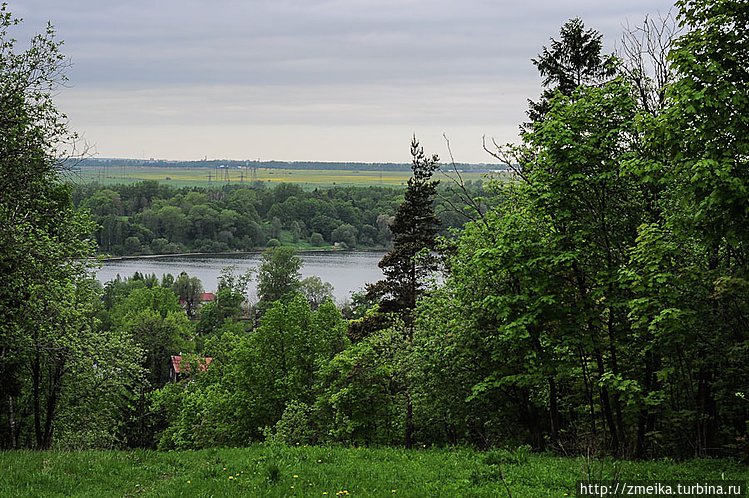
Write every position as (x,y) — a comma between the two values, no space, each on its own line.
(229,302)
(253,380)
(414,230)
(296,426)
(596,305)
(606,292)
(189,290)
(316,291)
(52,359)
(316,239)
(572,61)
(278,275)
(363,400)
(146,217)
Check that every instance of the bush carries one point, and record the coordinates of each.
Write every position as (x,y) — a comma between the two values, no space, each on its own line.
(316,239)
(295,426)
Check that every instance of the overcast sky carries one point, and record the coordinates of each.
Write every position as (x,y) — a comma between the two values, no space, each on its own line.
(295,80)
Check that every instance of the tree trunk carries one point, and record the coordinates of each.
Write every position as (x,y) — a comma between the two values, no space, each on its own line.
(588,393)
(12,423)
(646,419)
(606,405)
(553,412)
(35,399)
(53,396)
(705,416)
(409,424)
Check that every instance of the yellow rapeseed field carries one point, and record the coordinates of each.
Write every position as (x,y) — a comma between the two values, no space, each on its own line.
(181,177)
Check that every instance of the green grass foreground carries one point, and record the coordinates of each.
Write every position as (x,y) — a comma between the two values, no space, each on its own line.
(272,471)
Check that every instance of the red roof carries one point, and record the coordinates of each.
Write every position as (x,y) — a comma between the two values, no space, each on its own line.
(207,296)
(179,368)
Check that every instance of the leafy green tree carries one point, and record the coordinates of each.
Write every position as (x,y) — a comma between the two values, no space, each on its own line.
(203,222)
(190,291)
(173,223)
(557,257)
(346,234)
(278,275)
(254,380)
(408,264)
(316,291)
(316,239)
(275,228)
(447,369)
(228,304)
(156,322)
(689,268)
(47,338)
(362,395)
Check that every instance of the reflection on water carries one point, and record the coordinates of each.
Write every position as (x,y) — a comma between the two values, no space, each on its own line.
(347,271)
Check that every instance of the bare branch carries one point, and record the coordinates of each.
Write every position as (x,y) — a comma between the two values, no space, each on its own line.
(474,204)
(644,51)
(510,157)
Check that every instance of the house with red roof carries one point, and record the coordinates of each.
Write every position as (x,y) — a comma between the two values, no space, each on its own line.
(192,308)
(179,366)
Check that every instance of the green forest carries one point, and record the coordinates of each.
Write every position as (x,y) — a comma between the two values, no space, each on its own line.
(596,305)
(151,218)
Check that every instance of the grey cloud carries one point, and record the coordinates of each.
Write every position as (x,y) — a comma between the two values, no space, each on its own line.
(363,64)
(276,42)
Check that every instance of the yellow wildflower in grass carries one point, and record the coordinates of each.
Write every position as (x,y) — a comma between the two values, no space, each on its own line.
(319,461)
(231,477)
(295,476)
(188,482)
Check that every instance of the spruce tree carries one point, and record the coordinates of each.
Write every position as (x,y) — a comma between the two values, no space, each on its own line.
(576,59)
(414,230)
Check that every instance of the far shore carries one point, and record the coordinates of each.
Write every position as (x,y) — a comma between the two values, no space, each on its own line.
(238,253)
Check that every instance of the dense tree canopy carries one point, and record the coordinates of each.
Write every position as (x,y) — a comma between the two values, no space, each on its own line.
(597,304)
(49,352)
(148,218)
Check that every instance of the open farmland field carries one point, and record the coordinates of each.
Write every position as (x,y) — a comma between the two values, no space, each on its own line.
(205,177)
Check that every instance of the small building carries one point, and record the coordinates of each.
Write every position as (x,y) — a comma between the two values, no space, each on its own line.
(179,368)
(191,308)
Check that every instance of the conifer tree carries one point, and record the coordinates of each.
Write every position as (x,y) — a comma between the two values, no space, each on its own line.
(414,229)
(574,60)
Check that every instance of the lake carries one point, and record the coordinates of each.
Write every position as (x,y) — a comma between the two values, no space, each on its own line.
(347,271)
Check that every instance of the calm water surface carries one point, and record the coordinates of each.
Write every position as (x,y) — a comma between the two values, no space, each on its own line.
(347,271)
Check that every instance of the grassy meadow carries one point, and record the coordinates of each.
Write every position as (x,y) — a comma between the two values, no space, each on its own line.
(206,177)
(272,471)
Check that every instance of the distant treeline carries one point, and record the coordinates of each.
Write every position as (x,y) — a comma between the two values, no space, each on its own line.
(152,218)
(230,163)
